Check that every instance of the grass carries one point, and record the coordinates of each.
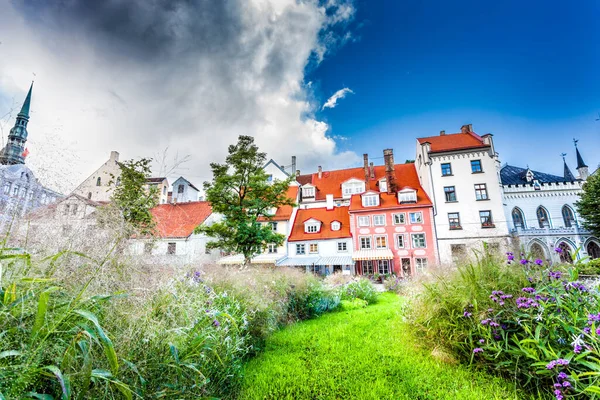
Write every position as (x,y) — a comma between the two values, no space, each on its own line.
(361,353)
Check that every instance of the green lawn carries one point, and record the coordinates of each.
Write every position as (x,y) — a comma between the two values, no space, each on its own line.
(365,353)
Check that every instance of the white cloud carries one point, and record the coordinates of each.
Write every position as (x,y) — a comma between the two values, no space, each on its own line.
(340,94)
(138,76)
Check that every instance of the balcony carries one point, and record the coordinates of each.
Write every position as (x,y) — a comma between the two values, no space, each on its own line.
(536,231)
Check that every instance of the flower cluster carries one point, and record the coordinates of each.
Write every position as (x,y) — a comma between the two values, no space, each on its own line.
(528,290)
(498,296)
(477,350)
(526,302)
(554,363)
(510,257)
(554,274)
(561,385)
(575,286)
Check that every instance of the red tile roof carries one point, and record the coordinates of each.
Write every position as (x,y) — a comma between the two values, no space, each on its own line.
(284,213)
(454,141)
(179,220)
(326,217)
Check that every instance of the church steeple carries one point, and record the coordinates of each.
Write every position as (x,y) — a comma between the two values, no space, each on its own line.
(582,169)
(15,147)
(567,174)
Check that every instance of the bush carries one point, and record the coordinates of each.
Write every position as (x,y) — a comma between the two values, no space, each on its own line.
(592,267)
(359,289)
(538,325)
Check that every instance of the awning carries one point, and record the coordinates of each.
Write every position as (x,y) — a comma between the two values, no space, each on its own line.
(298,261)
(260,259)
(336,260)
(378,254)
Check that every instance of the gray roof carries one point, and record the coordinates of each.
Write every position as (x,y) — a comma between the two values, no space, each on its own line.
(511,175)
(271,161)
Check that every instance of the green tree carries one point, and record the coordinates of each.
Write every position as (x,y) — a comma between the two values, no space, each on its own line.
(589,204)
(132,196)
(241,193)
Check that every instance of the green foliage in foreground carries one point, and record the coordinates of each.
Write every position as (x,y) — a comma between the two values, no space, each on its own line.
(589,205)
(363,353)
(360,289)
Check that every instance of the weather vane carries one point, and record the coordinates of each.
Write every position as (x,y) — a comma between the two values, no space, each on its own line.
(563,155)
(575,141)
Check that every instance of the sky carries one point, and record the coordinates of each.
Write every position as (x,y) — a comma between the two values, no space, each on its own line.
(325,80)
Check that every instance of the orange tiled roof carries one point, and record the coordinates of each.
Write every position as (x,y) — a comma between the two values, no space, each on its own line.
(326,217)
(284,213)
(454,141)
(179,220)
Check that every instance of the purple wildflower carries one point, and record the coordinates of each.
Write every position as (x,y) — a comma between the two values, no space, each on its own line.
(528,290)
(482,341)
(554,363)
(558,250)
(577,349)
(539,261)
(510,256)
(524,261)
(216,323)
(587,330)
(477,350)
(490,310)
(562,376)
(566,384)
(484,321)
(598,331)
(467,314)
(554,274)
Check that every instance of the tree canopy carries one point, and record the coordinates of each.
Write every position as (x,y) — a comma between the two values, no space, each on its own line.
(589,204)
(242,194)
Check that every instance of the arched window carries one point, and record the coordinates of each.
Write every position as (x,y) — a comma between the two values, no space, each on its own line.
(537,251)
(99,181)
(593,250)
(517,217)
(565,253)
(542,216)
(568,216)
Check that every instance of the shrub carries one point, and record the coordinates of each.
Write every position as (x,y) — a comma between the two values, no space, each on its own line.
(359,289)
(592,267)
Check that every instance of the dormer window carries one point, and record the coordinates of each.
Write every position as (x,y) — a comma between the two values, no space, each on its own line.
(308,191)
(353,186)
(370,200)
(312,226)
(336,226)
(407,196)
(529,175)
(383,186)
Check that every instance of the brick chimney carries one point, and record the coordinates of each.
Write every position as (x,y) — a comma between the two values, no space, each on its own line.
(442,133)
(372,170)
(390,172)
(297,172)
(366,166)
(466,128)
(320,169)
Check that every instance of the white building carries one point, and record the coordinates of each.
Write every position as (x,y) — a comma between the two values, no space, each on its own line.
(460,173)
(184,191)
(162,188)
(541,213)
(100,185)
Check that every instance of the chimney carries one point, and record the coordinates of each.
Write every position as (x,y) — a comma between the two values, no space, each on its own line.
(470,127)
(372,169)
(466,128)
(390,172)
(294,164)
(329,201)
(442,133)
(297,172)
(320,172)
(114,156)
(366,165)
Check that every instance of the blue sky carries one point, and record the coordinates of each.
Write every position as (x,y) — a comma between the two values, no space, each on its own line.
(528,72)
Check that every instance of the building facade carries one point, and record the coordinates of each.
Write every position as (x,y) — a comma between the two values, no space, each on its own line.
(162,188)
(460,173)
(184,191)
(100,185)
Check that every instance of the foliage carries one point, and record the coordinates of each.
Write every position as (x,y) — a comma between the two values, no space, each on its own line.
(364,353)
(592,267)
(132,196)
(359,289)
(537,324)
(241,193)
(589,204)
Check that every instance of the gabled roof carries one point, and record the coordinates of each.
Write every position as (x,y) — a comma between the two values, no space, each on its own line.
(511,175)
(49,209)
(454,142)
(271,161)
(304,179)
(179,220)
(284,213)
(155,180)
(326,217)
(188,182)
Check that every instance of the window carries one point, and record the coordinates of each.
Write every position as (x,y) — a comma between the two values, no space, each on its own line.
(308,192)
(74,210)
(148,248)
(164,190)
(7,188)
(180,189)
(315,269)
(90,195)
(517,217)
(350,188)
(335,226)
(418,241)
(486,219)
(568,216)
(313,248)
(416,217)
(272,248)
(378,220)
(542,216)
(421,264)
(381,242)
(476,166)
(383,185)
(273,226)
(399,219)
(370,200)
(450,193)
(363,221)
(454,221)
(367,267)
(365,242)
(399,241)
(66,209)
(99,181)
(481,191)
(300,249)
(171,248)
(22,194)
(16,190)
(407,196)
(342,246)
(383,267)
(269,178)
(311,228)
(446,169)
(118,183)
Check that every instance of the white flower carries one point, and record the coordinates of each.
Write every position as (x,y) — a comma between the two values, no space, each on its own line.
(577,341)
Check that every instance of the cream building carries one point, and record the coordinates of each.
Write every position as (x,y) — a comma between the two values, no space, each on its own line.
(100,185)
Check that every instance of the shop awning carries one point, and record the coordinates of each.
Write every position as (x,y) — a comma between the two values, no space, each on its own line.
(336,260)
(298,261)
(378,254)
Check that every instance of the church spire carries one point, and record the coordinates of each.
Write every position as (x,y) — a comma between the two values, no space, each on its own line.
(581,167)
(13,152)
(567,174)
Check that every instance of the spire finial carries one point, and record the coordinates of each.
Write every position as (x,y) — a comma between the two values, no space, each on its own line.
(27,103)
(580,163)
(563,155)
(575,142)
